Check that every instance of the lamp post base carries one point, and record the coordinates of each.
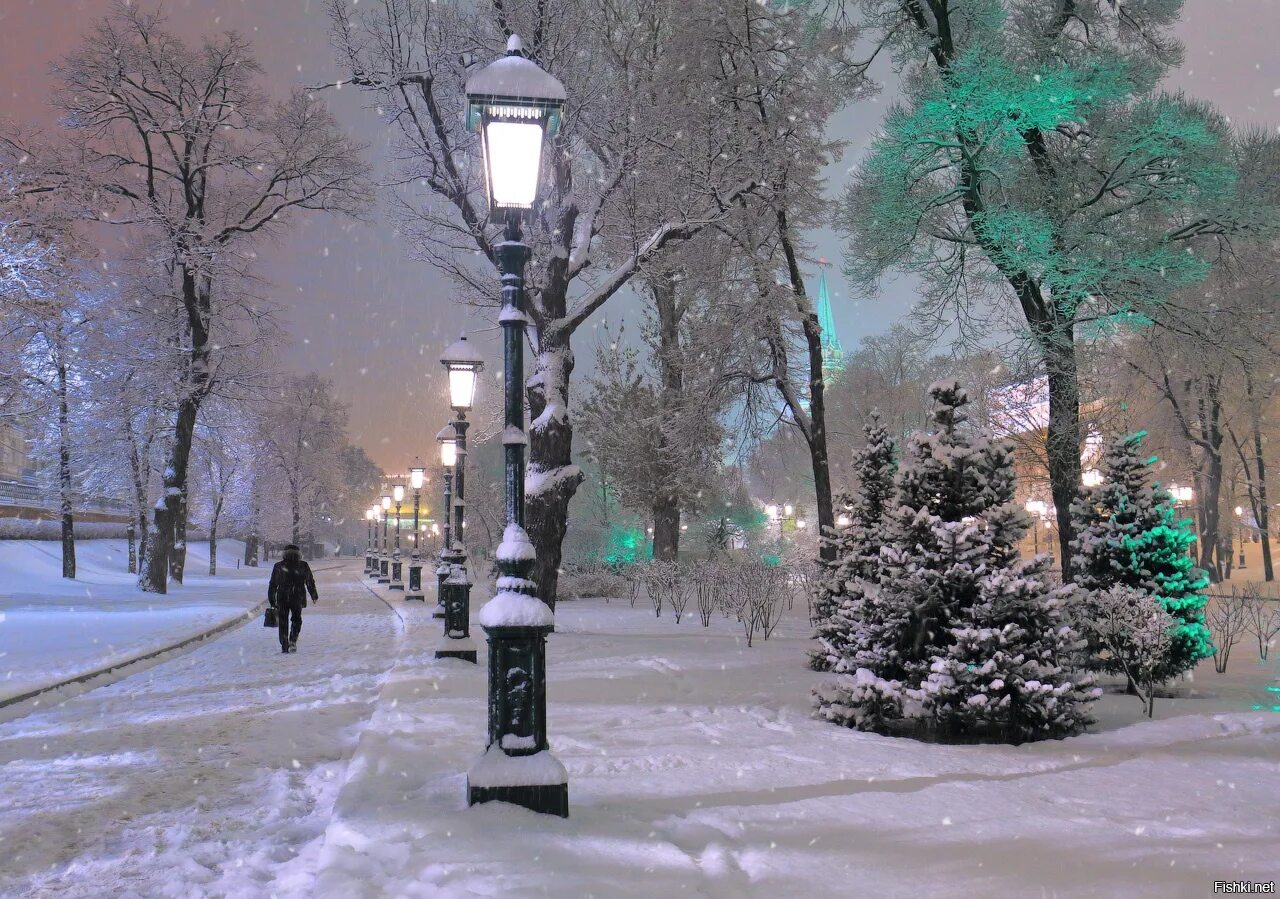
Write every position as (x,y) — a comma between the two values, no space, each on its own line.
(467,655)
(546,800)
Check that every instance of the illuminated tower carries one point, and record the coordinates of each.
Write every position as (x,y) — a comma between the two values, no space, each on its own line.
(832,352)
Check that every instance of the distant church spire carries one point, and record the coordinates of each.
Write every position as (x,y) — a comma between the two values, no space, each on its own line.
(832,352)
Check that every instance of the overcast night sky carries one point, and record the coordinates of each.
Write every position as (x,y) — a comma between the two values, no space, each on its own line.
(361,312)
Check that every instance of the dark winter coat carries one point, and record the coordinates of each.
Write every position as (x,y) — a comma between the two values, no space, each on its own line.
(291,581)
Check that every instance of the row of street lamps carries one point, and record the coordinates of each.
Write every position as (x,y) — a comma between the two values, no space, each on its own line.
(514,106)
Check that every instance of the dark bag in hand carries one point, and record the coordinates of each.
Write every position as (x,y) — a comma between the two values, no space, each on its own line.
(269,619)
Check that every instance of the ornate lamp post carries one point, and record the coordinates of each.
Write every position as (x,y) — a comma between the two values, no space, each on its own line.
(515,105)
(417,477)
(369,515)
(1240,530)
(447,438)
(1038,509)
(384,560)
(463,364)
(397,568)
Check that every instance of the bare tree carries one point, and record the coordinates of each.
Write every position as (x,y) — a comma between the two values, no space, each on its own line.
(649,155)
(184,149)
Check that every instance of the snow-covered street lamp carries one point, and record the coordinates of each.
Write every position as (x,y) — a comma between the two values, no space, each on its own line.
(515,105)
(462,363)
(417,477)
(370,515)
(397,569)
(384,561)
(447,438)
(1037,508)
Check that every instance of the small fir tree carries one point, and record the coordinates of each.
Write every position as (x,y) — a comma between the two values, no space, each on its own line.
(954,629)
(857,544)
(1128,535)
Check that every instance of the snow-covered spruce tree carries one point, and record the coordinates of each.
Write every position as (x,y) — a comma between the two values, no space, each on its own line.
(857,545)
(955,630)
(1128,535)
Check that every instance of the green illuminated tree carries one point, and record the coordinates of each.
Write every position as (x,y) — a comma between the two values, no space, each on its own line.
(1128,535)
(1035,178)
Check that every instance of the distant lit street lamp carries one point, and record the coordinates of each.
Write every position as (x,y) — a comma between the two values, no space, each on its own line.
(463,365)
(417,477)
(384,562)
(397,569)
(1039,509)
(370,516)
(448,440)
(1240,528)
(515,106)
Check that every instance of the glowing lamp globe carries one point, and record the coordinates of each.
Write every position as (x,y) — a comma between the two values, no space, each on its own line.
(417,474)
(514,104)
(463,364)
(771,511)
(386,503)
(370,514)
(448,439)
(788,510)
(843,520)
(398,492)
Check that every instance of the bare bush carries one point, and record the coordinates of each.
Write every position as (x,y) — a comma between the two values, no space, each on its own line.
(1137,631)
(1227,617)
(1262,619)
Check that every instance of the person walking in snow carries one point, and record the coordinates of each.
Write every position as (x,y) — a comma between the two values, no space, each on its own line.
(291,581)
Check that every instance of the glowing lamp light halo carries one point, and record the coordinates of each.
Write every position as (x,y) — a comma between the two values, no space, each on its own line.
(514,105)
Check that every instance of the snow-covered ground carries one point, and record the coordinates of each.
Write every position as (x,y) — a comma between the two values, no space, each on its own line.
(695,770)
(52,629)
(212,774)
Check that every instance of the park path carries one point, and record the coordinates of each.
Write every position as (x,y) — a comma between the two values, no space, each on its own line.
(213,773)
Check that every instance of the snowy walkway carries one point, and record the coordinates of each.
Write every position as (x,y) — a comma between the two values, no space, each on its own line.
(53,629)
(210,774)
(696,769)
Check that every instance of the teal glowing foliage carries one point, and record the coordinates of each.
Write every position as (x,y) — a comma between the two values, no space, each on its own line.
(951,183)
(626,545)
(1128,533)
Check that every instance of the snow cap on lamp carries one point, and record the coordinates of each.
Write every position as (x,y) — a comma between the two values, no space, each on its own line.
(513,103)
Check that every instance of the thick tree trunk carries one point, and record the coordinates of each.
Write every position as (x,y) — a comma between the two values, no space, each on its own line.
(666,528)
(816,434)
(817,438)
(1210,423)
(213,547)
(153,574)
(1063,440)
(1262,511)
(65,486)
(295,508)
(552,478)
(667,498)
(178,557)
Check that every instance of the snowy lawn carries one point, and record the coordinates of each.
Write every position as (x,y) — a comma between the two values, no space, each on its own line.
(52,629)
(696,769)
(211,774)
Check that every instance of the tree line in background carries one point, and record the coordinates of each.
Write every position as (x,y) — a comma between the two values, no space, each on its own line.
(1069,224)
(136,347)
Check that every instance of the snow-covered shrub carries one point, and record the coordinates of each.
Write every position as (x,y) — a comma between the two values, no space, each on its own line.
(977,641)
(1128,534)
(1227,616)
(710,578)
(1136,633)
(860,700)
(42,529)
(592,582)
